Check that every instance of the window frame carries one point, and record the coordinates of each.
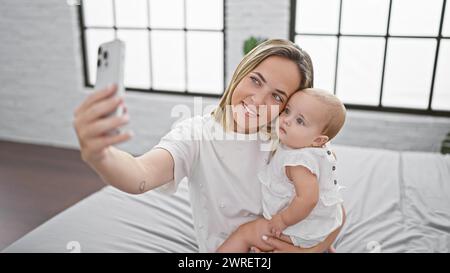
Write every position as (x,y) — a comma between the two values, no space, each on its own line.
(380,108)
(85,65)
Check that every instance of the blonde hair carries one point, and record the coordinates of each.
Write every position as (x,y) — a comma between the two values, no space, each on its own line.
(335,111)
(272,47)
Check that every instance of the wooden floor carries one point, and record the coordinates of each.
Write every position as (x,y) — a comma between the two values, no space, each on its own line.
(38,182)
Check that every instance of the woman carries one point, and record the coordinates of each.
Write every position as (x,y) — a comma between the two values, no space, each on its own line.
(224,191)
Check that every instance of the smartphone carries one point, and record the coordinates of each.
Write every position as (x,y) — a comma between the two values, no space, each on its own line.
(110,70)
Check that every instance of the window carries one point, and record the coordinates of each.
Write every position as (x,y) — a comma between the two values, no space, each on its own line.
(388,55)
(172,46)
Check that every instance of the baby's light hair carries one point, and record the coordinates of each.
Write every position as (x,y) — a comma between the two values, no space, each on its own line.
(335,111)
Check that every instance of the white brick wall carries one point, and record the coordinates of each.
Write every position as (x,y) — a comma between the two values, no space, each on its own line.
(41,80)
(269,19)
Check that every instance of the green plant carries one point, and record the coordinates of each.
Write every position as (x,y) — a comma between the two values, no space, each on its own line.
(251,43)
(445,149)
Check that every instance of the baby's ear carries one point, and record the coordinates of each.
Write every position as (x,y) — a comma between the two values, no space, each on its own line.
(320,140)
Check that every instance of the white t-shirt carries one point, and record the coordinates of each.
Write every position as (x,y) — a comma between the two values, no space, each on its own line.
(222,176)
(278,192)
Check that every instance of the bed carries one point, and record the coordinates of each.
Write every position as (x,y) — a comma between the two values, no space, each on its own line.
(395,201)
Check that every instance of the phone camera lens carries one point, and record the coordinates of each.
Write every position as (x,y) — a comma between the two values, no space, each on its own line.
(105,55)
(99,63)
(99,51)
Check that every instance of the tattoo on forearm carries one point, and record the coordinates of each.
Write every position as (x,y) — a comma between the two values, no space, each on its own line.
(142,186)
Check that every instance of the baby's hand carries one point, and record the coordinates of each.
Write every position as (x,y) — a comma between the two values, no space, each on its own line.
(277,225)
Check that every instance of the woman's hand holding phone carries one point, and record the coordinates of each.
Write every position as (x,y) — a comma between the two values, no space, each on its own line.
(93,124)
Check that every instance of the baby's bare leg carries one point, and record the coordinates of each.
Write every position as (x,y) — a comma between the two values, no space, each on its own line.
(285,238)
(246,236)
(235,243)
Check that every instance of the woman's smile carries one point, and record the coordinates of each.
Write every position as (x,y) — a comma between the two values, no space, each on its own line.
(250,111)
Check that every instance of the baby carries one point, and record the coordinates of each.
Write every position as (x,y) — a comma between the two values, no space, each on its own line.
(300,192)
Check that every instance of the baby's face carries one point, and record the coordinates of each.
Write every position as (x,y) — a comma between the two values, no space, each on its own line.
(302,122)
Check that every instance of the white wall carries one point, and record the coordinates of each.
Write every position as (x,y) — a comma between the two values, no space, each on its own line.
(41,80)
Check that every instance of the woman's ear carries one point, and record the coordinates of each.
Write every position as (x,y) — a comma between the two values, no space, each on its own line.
(320,141)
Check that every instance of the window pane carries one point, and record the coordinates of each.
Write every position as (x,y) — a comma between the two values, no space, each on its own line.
(131,13)
(98,13)
(322,50)
(95,37)
(360,69)
(446,26)
(137,69)
(168,60)
(317,16)
(204,14)
(364,16)
(409,69)
(415,17)
(441,94)
(205,62)
(166,14)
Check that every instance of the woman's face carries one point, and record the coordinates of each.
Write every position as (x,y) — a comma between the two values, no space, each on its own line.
(262,94)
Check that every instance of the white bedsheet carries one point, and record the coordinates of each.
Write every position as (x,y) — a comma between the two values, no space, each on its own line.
(395,202)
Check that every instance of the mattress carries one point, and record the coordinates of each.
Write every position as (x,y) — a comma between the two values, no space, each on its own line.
(395,202)
(113,221)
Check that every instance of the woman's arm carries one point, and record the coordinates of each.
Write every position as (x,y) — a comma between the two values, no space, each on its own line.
(281,246)
(135,175)
(260,227)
